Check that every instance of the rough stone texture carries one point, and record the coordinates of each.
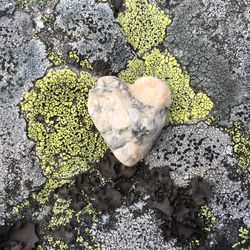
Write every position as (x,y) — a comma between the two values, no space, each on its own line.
(131,231)
(23,60)
(93,31)
(241,113)
(211,41)
(7,7)
(201,150)
(129,117)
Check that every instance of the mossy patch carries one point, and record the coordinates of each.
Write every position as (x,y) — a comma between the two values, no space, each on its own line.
(188,106)
(59,123)
(143,24)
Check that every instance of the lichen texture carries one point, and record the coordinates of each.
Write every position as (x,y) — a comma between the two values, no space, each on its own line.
(59,123)
(143,24)
(60,185)
(187,106)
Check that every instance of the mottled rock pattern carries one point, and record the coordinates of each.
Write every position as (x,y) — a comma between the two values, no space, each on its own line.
(200,150)
(133,230)
(129,117)
(92,29)
(7,7)
(211,41)
(23,60)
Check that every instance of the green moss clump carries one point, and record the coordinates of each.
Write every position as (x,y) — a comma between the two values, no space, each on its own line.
(241,139)
(143,24)
(59,123)
(188,106)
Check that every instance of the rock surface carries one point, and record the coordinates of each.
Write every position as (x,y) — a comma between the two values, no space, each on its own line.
(92,30)
(129,117)
(23,59)
(210,41)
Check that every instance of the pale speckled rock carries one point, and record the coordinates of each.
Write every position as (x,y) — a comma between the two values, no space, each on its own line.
(129,117)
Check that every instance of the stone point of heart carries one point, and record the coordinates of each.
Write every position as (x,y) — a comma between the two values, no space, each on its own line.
(129,116)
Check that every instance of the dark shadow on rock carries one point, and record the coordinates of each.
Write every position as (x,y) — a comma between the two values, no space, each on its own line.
(110,167)
(107,199)
(21,236)
(65,233)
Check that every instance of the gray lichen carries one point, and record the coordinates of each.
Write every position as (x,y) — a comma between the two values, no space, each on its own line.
(205,151)
(132,230)
(7,7)
(211,41)
(93,31)
(23,60)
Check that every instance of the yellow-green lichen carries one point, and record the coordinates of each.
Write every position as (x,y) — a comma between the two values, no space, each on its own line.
(19,207)
(187,106)
(87,244)
(193,244)
(56,59)
(85,64)
(135,69)
(209,219)
(50,185)
(83,243)
(88,209)
(143,24)
(211,120)
(241,139)
(59,123)
(73,55)
(55,243)
(244,237)
(48,19)
(61,213)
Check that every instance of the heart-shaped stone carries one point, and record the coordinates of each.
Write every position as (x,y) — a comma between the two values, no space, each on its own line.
(129,117)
